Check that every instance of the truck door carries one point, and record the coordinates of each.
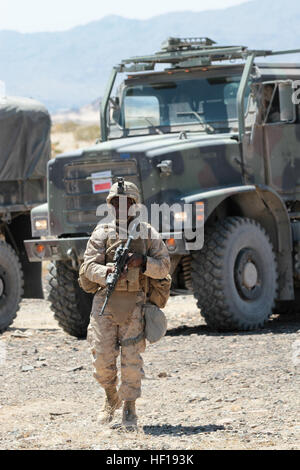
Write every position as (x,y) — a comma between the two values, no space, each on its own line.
(281,140)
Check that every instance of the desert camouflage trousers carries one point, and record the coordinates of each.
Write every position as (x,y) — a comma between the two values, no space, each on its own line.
(105,338)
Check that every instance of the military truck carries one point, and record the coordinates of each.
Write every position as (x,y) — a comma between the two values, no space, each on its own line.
(24,153)
(194,124)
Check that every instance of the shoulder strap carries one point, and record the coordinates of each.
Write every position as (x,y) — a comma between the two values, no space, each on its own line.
(119,242)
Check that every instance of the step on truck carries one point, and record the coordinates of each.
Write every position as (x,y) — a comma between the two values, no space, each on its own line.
(24,153)
(215,127)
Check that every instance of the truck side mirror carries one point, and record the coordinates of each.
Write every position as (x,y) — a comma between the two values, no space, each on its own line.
(287,109)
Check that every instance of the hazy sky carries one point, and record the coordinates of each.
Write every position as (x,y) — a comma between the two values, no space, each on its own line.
(53,15)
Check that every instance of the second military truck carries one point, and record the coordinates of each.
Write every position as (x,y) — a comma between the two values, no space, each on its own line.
(24,153)
(198,124)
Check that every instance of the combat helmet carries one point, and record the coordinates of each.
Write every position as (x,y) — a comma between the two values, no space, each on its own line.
(124,188)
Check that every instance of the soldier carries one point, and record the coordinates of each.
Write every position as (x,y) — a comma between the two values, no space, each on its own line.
(121,326)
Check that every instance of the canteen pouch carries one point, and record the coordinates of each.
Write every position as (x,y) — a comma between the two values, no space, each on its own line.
(155,322)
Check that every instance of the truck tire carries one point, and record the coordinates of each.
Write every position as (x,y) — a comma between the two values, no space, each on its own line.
(70,304)
(235,275)
(11,285)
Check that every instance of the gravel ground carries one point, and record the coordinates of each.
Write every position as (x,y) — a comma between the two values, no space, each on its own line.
(202,389)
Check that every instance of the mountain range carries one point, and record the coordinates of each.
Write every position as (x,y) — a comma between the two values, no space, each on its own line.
(69,69)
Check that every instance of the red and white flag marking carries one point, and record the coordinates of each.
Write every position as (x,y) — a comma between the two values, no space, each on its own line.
(101,181)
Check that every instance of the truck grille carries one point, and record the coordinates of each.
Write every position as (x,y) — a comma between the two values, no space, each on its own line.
(81,203)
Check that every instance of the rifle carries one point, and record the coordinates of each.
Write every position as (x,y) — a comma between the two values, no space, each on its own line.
(120,260)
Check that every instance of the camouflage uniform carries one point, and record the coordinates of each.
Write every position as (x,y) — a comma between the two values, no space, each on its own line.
(107,333)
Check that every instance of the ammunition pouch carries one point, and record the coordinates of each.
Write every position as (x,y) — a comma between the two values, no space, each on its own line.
(159,291)
(88,286)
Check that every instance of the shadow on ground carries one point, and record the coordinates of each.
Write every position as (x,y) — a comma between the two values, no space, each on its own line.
(180,430)
(284,323)
(13,329)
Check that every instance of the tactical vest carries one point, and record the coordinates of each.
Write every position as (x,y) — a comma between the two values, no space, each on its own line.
(134,281)
(123,300)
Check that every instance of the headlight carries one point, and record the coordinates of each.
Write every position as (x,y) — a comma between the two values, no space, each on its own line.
(40,224)
(171,244)
(39,250)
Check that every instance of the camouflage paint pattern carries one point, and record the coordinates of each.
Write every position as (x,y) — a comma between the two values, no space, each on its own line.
(199,162)
(270,149)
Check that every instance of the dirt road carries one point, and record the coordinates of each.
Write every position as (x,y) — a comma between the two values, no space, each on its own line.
(202,389)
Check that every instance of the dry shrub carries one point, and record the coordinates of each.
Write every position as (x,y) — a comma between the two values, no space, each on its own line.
(87,133)
(66,126)
(55,149)
(69,135)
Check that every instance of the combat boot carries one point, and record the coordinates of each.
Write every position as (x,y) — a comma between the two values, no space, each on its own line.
(111,404)
(129,415)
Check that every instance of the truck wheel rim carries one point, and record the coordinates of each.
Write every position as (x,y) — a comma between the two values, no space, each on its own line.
(248,274)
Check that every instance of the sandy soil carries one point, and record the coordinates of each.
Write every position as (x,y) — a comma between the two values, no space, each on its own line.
(202,389)
(67,142)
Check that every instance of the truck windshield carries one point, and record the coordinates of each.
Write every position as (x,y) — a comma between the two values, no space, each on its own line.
(181,102)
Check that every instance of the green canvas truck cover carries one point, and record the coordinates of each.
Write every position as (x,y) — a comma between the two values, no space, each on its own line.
(24,139)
